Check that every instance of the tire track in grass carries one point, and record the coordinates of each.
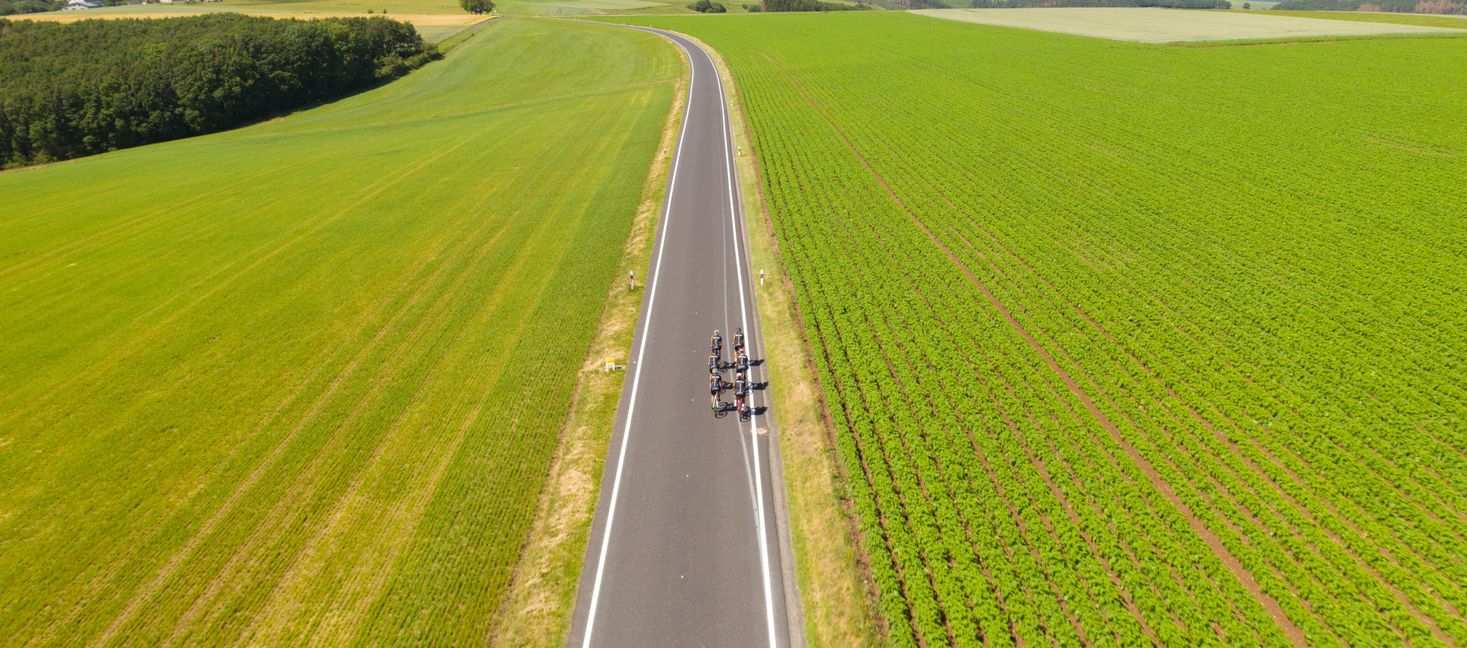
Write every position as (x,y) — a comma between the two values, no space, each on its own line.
(102,334)
(1401,597)
(543,228)
(410,350)
(99,583)
(138,341)
(121,228)
(1360,564)
(302,480)
(963,173)
(1041,470)
(407,517)
(350,499)
(1013,514)
(1052,534)
(174,562)
(319,367)
(1295,635)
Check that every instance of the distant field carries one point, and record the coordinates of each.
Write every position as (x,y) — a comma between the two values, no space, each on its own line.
(1150,25)
(350,6)
(1129,344)
(427,15)
(1448,22)
(301,383)
(433,27)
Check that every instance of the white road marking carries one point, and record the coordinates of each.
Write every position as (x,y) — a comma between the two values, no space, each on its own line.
(744,313)
(626,435)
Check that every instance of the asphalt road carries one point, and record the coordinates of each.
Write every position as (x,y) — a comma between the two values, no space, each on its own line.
(687,548)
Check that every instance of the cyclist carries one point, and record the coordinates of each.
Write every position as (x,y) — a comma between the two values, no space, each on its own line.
(739,339)
(715,385)
(715,343)
(713,364)
(741,389)
(742,363)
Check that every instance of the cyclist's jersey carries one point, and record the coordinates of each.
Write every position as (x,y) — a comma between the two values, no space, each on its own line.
(740,387)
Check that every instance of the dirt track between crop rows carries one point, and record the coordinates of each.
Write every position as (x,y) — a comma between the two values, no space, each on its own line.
(1214,543)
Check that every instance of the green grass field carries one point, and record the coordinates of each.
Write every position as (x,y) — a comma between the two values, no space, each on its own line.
(301,383)
(1124,343)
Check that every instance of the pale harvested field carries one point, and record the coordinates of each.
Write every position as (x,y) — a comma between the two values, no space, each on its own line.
(1171,25)
(417,20)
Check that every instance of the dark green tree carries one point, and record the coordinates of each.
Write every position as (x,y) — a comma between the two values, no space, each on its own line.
(102,85)
(477,6)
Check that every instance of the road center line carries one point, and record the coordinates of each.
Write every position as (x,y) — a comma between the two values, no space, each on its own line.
(744,316)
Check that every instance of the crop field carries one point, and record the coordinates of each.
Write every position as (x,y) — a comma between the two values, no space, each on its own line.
(1155,25)
(301,383)
(1112,360)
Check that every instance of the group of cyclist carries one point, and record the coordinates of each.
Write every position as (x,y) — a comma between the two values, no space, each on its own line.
(741,386)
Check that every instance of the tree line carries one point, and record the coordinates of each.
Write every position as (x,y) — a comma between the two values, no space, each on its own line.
(11,7)
(68,90)
(807,5)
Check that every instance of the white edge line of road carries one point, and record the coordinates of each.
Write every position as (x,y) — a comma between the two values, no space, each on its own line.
(626,435)
(734,215)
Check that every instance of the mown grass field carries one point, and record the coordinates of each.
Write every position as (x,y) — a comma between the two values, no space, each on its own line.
(301,382)
(1111,359)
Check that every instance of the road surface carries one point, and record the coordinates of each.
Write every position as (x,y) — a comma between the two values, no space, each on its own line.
(686,548)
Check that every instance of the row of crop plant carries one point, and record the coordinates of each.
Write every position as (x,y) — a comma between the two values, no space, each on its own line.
(1127,343)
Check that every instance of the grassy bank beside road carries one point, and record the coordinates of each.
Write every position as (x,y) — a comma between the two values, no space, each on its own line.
(303,381)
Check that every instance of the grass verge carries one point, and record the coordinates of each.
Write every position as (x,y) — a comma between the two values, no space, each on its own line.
(543,592)
(836,593)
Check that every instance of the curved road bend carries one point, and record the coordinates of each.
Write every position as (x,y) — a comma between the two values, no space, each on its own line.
(684,550)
